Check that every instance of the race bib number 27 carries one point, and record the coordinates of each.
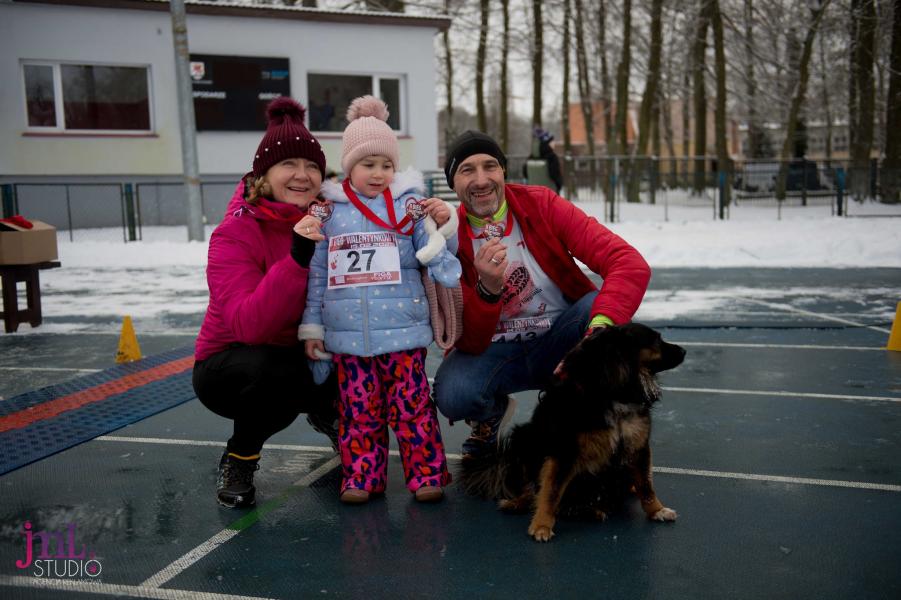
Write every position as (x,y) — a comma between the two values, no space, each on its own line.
(358,259)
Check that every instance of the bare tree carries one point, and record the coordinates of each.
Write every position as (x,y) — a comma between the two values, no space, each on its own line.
(891,165)
(605,76)
(800,91)
(723,161)
(537,61)
(505,52)
(480,66)
(862,94)
(621,134)
(648,98)
(699,67)
(450,131)
(585,98)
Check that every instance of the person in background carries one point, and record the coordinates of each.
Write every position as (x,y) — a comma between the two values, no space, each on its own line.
(250,366)
(526,301)
(368,306)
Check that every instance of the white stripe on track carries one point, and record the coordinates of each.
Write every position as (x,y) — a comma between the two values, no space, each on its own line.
(861,485)
(62,369)
(692,390)
(179,565)
(110,589)
(809,313)
(220,444)
(781,346)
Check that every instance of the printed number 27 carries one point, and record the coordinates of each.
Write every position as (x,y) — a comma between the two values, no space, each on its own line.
(354,268)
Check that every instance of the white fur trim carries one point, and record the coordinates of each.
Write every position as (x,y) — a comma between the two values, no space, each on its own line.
(449,229)
(333,191)
(435,244)
(310,331)
(406,181)
(322,355)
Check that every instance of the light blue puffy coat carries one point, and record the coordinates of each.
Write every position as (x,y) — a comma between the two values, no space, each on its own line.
(372,320)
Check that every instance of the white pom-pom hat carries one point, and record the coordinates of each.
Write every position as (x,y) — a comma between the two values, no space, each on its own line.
(367,133)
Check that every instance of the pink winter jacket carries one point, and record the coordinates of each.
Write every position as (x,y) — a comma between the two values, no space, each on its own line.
(257,291)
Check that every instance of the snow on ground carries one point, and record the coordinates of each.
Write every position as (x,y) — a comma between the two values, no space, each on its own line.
(160,281)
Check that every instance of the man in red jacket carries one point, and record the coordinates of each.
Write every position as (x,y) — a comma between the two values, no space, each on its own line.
(526,301)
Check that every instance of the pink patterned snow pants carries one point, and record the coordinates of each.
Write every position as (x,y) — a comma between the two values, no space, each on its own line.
(378,391)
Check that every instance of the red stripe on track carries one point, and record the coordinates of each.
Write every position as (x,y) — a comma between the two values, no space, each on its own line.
(53,408)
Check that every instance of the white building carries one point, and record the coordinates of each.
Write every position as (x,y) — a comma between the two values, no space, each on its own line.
(89,96)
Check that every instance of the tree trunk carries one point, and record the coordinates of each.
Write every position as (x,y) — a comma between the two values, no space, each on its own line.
(686,122)
(505,52)
(647,100)
(699,66)
(605,77)
(622,84)
(537,61)
(827,105)
(863,43)
(567,138)
(450,130)
(723,160)
(891,166)
(816,15)
(585,91)
(481,116)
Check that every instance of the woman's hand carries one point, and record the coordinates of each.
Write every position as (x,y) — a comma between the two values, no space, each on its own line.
(491,264)
(437,209)
(309,227)
(311,346)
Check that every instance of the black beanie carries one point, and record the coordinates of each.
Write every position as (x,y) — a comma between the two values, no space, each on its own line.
(469,143)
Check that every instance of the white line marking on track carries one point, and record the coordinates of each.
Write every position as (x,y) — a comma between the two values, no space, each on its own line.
(111,589)
(781,346)
(181,564)
(779,393)
(809,313)
(62,369)
(861,485)
(220,444)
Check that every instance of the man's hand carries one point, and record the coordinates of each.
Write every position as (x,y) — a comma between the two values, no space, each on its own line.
(491,264)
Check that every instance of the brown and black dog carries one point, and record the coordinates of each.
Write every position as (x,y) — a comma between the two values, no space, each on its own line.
(588,442)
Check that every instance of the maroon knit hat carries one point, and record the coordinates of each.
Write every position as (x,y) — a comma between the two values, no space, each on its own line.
(286,137)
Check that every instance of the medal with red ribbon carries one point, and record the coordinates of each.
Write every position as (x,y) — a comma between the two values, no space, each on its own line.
(321,209)
(389,207)
(494,229)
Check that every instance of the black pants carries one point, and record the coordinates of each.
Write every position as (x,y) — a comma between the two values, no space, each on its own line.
(262,389)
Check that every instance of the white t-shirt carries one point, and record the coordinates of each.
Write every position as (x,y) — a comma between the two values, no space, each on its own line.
(531,300)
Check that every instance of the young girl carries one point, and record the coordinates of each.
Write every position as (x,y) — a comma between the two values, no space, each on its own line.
(366,302)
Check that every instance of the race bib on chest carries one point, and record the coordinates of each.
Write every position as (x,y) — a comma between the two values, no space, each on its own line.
(358,259)
(521,330)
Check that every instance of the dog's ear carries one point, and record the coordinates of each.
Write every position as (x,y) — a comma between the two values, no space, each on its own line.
(600,359)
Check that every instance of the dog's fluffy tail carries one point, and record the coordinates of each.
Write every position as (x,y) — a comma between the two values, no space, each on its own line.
(500,475)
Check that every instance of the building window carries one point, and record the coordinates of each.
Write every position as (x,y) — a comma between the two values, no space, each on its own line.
(79,97)
(330,95)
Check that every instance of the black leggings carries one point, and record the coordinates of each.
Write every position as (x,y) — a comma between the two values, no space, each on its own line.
(262,389)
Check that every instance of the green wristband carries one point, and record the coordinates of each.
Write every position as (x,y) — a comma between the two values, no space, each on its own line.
(600,321)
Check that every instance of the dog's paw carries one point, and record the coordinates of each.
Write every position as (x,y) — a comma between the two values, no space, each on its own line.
(541,533)
(664,514)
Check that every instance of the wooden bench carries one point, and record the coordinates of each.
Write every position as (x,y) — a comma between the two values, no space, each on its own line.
(10,275)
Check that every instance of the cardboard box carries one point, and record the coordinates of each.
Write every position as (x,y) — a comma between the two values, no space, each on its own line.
(20,246)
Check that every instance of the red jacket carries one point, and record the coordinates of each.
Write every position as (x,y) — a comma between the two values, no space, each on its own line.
(555,231)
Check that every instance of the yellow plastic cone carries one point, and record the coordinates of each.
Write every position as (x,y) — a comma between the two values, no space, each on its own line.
(894,338)
(128,343)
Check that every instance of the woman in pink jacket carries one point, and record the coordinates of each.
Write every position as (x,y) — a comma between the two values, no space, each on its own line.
(250,366)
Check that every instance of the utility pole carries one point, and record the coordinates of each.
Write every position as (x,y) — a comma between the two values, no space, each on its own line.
(186,120)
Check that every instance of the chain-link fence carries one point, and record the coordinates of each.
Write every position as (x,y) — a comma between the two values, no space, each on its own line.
(110,208)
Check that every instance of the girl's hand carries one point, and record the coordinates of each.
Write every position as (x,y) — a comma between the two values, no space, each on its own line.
(309,227)
(310,347)
(437,209)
